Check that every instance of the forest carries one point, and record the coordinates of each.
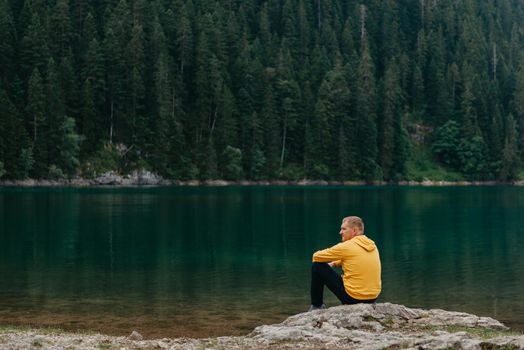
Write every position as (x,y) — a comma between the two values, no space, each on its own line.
(263,89)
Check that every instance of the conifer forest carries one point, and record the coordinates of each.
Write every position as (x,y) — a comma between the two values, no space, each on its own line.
(263,89)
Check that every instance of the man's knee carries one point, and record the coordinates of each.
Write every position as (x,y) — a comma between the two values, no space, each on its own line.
(317,266)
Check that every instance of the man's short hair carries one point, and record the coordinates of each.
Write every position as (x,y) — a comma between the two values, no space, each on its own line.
(355,221)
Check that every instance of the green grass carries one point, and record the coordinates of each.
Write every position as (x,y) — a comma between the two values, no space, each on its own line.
(422,167)
(484,333)
(104,346)
(520,176)
(498,347)
(41,330)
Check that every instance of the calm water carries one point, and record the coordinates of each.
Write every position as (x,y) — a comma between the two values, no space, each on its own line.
(213,261)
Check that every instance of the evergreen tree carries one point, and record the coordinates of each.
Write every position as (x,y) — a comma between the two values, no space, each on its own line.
(14,141)
(135,89)
(510,159)
(519,101)
(68,147)
(114,40)
(184,39)
(34,51)
(393,146)
(92,122)
(366,132)
(60,30)
(7,40)
(271,133)
(332,118)
(35,103)
(288,97)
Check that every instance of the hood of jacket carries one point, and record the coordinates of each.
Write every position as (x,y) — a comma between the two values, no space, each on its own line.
(364,242)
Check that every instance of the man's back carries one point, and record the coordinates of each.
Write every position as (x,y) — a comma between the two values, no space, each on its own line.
(360,261)
(362,269)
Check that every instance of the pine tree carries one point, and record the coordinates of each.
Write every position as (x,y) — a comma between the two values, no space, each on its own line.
(510,159)
(34,51)
(35,103)
(184,38)
(60,30)
(135,89)
(332,127)
(7,40)
(16,143)
(93,123)
(393,146)
(288,101)
(270,121)
(67,85)
(115,43)
(68,146)
(518,98)
(366,132)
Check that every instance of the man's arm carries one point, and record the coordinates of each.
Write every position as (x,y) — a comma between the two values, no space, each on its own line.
(330,255)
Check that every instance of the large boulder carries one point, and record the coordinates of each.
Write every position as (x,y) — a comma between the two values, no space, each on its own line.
(387,326)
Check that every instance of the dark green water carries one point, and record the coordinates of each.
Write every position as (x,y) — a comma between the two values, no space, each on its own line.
(211,261)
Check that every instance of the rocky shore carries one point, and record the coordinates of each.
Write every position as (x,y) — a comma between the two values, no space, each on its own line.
(147,178)
(364,326)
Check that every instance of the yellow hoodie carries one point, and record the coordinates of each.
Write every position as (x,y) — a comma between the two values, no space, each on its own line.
(360,262)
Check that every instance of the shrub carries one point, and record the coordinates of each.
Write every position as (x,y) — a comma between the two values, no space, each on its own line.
(232,169)
(55,173)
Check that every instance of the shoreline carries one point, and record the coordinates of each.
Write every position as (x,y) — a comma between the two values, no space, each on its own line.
(360,326)
(157,181)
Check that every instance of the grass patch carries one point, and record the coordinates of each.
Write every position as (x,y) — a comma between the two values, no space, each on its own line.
(397,346)
(45,330)
(40,330)
(421,167)
(388,321)
(104,346)
(485,346)
(520,176)
(484,333)
(369,318)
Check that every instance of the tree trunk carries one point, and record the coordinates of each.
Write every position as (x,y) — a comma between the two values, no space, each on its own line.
(111,123)
(284,132)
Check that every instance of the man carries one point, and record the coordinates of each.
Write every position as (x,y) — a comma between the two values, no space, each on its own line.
(360,261)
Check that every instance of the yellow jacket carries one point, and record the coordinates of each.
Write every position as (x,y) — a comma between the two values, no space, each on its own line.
(360,263)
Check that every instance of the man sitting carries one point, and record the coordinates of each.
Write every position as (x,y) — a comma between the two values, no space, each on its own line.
(360,261)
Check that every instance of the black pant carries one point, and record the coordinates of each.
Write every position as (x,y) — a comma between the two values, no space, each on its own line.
(322,274)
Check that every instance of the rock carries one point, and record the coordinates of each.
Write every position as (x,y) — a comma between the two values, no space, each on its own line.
(248,183)
(354,183)
(161,345)
(379,325)
(108,178)
(312,183)
(135,336)
(144,177)
(192,183)
(279,183)
(216,183)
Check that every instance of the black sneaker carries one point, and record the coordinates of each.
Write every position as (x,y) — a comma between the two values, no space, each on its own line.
(313,307)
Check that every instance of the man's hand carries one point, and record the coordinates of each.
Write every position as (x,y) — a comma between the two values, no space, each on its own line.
(332,264)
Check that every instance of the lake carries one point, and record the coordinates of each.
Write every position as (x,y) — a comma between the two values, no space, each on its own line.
(209,261)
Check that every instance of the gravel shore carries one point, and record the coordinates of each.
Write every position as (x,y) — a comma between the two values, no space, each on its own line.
(363,326)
